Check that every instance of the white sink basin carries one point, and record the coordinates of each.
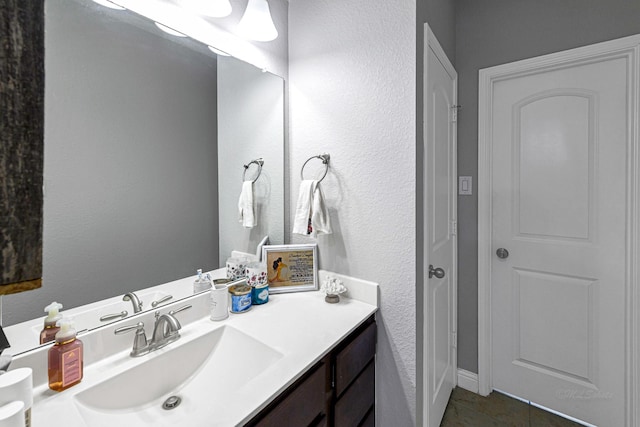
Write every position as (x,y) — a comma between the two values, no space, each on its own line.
(196,369)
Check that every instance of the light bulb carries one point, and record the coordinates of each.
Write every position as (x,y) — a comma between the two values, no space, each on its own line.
(212,8)
(256,23)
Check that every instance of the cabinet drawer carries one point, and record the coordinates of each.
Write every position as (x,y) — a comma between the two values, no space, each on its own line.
(302,404)
(357,400)
(351,360)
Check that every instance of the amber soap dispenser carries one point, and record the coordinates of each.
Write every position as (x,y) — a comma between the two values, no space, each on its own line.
(65,358)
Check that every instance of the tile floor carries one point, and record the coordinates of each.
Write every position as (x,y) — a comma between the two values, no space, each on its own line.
(469,409)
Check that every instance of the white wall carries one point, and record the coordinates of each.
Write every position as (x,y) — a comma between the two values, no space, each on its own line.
(353,94)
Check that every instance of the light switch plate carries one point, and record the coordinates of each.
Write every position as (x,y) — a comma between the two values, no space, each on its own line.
(465,185)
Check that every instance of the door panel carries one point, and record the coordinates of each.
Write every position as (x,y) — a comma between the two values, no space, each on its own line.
(441,343)
(440,156)
(439,211)
(553,166)
(553,319)
(559,207)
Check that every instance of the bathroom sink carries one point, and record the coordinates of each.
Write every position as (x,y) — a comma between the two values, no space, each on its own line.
(196,369)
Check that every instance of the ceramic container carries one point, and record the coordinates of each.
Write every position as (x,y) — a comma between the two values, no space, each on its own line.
(236,268)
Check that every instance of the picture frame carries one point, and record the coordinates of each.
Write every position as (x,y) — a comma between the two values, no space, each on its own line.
(291,268)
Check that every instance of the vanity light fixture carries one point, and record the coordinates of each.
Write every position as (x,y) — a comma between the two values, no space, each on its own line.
(109,4)
(217,51)
(212,8)
(169,30)
(256,23)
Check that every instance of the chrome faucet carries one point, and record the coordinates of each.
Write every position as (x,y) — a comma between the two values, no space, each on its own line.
(137,304)
(165,331)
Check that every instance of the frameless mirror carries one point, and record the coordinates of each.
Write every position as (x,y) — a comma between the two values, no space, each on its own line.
(250,129)
(146,135)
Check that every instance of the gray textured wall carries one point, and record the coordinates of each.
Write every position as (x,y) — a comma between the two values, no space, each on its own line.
(441,16)
(130,161)
(492,32)
(352,93)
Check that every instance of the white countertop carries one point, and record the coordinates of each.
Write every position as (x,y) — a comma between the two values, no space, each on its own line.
(300,326)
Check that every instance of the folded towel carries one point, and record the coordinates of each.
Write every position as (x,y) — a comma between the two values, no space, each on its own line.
(311,216)
(320,221)
(302,218)
(245,206)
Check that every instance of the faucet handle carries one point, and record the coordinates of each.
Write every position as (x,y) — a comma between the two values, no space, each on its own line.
(139,341)
(124,329)
(108,317)
(165,298)
(178,310)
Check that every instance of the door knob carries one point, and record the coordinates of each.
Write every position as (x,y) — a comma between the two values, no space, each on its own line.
(502,253)
(438,272)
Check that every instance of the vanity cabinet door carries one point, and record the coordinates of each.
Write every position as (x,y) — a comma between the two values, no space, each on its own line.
(302,404)
(353,358)
(354,378)
(358,399)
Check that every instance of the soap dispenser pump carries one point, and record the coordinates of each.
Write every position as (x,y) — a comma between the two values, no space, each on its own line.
(50,329)
(65,358)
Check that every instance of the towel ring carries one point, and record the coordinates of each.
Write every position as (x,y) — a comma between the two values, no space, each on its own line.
(258,162)
(325,161)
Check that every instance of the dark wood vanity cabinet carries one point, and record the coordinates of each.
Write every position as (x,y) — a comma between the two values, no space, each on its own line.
(339,391)
(354,377)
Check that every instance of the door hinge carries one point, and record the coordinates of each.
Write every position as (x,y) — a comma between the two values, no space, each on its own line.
(454,113)
(454,228)
(454,339)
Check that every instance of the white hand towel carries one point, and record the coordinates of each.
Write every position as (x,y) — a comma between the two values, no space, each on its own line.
(245,206)
(320,221)
(302,218)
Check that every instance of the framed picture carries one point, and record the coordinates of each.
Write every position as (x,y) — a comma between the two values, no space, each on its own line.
(291,268)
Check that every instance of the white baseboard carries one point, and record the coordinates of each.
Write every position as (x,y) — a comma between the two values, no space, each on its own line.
(468,380)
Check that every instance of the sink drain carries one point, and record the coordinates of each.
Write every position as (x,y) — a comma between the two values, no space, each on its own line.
(171,402)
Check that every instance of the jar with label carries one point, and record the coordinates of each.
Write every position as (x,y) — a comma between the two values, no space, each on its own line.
(260,294)
(240,295)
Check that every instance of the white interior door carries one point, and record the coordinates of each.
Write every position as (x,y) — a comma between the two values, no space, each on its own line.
(439,225)
(559,205)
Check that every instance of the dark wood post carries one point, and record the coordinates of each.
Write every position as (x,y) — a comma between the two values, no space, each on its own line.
(21,143)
